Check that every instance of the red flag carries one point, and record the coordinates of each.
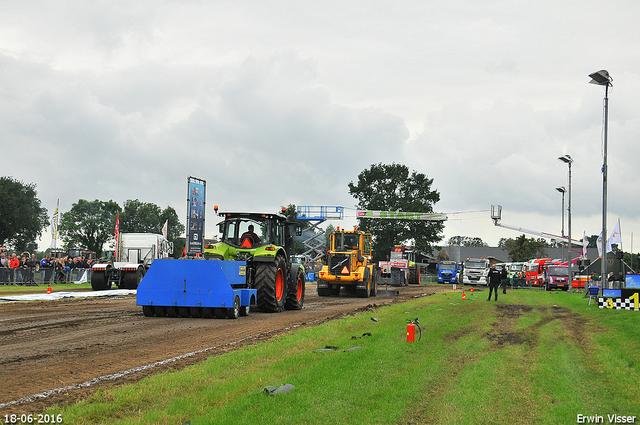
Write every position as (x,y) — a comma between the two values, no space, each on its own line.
(117,231)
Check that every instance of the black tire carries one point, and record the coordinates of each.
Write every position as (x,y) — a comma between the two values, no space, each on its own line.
(414,275)
(207,313)
(323,292)
(148,310)
(244,310)
(374,284)
(364,293)
(220,312)
(271,283)
(99,281)
(234,312)
(159,311)
(131,280)
(196,312)
(172,311)
(295,295)
(334,289)
(184,312)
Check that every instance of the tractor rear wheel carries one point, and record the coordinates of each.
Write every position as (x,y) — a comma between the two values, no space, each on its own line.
(271,283)
(295,295)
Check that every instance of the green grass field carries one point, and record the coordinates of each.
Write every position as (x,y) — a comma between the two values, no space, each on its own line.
(533,357)
(42,289)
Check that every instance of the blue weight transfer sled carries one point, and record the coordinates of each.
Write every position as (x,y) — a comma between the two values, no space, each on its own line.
(196,288)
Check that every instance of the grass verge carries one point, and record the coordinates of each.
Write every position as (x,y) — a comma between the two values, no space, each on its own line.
(6,290)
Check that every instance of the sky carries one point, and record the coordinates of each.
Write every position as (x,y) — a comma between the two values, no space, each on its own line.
(286,102)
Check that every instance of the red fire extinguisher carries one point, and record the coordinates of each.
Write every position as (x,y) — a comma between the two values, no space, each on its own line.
(411,330)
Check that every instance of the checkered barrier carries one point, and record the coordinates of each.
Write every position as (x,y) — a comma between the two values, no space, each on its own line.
(618,303)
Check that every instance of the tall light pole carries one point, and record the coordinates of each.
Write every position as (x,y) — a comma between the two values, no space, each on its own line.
(562,190)
(602,78)
(568,160)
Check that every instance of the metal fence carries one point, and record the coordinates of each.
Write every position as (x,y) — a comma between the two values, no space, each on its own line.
(34,276)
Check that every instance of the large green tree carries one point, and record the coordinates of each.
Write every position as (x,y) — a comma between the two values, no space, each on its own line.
(466,241)
(391,187)
(523,249)
(22,218)
(147,217)
(89,224)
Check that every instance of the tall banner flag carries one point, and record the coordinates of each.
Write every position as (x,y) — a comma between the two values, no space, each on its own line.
(164,228)
(616,237)
(117,231)
(585,244)
(54,227)
(599,245)
(195,215)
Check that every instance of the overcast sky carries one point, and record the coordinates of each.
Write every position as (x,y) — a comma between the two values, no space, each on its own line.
(280,102)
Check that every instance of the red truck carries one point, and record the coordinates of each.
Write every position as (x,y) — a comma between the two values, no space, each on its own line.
(533,270)
(556,276)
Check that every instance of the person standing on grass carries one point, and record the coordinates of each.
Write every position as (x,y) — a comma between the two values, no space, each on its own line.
(494,281)
(503,279)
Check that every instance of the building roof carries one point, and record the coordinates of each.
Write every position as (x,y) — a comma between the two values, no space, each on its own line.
(499,255)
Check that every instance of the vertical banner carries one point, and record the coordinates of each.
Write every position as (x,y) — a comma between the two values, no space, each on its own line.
(117,231)
(54,227)
(195,215)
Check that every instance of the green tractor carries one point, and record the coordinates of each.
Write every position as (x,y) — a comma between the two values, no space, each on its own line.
(264,241)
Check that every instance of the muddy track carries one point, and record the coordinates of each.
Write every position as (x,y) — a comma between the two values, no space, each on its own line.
(57,349)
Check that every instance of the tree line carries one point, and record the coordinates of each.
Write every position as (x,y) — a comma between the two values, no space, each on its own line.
(91,224)
(88,224)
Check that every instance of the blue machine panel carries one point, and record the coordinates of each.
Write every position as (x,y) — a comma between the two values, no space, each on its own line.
(193,283)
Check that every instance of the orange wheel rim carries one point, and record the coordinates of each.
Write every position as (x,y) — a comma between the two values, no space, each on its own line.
(279,284)
(299,294)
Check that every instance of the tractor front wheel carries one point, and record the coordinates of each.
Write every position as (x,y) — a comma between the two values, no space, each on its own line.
(295,296)
(271,283)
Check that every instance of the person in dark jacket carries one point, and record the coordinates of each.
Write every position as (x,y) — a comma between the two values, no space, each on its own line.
(494,281)
(503,279)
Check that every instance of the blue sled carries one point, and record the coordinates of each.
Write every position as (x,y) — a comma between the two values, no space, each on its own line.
(198,288)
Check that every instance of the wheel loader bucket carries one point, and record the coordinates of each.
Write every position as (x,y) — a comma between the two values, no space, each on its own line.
(194,283)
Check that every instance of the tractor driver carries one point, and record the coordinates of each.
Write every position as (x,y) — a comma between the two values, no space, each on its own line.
(251,235)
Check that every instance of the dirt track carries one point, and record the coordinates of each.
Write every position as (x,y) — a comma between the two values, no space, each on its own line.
(52,348)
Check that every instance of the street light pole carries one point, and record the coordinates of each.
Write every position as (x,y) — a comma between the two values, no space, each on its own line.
(602,78)
(562,190)
(568,160)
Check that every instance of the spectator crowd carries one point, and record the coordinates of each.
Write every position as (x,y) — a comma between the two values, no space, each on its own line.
(26,269)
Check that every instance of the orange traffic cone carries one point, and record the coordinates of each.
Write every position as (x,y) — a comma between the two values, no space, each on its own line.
(48,289)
